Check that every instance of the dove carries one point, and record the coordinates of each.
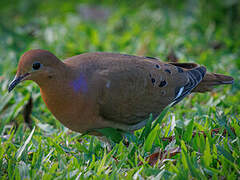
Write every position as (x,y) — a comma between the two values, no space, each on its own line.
(100,90)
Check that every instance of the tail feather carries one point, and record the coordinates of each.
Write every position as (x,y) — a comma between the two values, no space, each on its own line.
(212,79)
(195,76)
(209,80)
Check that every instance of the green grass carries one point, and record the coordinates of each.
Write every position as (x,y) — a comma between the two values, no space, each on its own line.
(199,138)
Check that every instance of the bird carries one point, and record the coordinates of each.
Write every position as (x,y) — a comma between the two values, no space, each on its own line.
(109,90)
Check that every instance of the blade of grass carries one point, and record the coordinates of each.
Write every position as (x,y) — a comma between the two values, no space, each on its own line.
(22,148)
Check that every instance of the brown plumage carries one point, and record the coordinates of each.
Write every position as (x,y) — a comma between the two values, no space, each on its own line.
(98,90)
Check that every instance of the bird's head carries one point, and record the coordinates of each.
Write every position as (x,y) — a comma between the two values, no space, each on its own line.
(37,65)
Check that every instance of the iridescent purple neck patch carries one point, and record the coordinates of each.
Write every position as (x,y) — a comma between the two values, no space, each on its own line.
(80,84)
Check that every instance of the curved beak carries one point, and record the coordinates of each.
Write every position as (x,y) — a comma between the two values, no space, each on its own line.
(16,81)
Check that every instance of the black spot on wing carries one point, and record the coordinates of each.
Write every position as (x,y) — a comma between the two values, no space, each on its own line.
(168,71)
(162,83)
(195,76)
(163,92)
(153,80)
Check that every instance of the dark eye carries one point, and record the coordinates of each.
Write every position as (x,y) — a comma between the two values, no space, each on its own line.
(36,66)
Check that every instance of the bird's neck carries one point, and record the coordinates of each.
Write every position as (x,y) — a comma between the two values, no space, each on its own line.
(60,92)
(58,87)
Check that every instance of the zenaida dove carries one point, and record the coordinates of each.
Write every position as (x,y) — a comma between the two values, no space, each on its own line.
(97,90)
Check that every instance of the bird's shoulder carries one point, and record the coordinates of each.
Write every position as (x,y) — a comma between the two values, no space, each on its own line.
(96,57)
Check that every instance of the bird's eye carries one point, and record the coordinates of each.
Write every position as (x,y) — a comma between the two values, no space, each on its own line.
(36,66)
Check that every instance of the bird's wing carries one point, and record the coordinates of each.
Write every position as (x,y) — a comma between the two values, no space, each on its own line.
(131,88)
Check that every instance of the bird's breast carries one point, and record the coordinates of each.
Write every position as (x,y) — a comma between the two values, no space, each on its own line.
(75,111)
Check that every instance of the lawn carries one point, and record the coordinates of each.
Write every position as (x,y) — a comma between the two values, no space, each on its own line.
(199,138)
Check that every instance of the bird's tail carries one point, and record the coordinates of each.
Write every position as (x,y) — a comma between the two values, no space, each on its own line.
(210,79)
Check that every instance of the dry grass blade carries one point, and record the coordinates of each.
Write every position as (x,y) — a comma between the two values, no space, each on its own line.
(161,155)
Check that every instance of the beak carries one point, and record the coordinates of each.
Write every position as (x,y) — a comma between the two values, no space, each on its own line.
(16,81)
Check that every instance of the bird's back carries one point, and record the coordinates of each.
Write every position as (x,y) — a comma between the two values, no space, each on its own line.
(128,88)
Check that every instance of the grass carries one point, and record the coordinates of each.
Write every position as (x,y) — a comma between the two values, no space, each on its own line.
(199,138)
